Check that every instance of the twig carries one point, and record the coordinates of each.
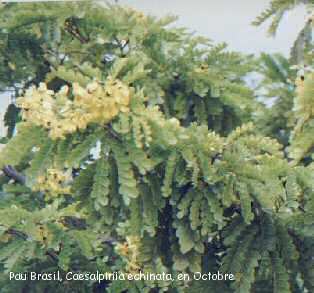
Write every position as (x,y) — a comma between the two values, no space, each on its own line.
(9,171)
(17,233)
(113,133)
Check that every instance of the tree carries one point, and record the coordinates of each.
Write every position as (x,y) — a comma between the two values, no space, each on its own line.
(136,153)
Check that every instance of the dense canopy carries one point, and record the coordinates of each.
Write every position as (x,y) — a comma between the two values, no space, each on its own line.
(139,147)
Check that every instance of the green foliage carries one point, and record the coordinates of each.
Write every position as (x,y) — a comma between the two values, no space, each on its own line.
(276,11)
(301,139)
(21,145)
(100,189)
(175,181)
(278,89)
(88,40)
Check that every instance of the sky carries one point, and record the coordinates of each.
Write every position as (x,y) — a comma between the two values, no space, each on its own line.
(228,21)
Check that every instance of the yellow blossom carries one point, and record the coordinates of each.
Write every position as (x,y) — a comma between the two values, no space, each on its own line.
(54,182)
(95,103)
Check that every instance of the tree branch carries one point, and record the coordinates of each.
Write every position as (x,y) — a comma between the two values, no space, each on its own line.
(17,233)
(9,171)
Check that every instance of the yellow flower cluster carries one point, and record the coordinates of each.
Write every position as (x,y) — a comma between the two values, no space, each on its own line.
(304,103)
(54,182)
(130,251)
(300,86)
(43,235)
(61,115)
